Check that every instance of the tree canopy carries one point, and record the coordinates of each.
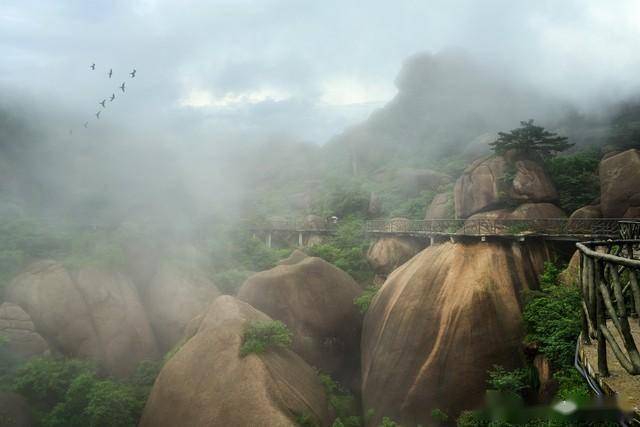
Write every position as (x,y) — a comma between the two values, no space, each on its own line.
(531,139)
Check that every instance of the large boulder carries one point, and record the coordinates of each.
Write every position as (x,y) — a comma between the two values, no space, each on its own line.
(531,183)
(441,207)
(176,295)
(485,184)
(478,188)
(315,300)
(17,328)
(207,383)
(439,323)
(587,212)
(93,313)
(388,253)
(620,183)
(14,410)
(515,219)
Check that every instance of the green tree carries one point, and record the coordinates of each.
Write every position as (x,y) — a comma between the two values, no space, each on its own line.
(531,139)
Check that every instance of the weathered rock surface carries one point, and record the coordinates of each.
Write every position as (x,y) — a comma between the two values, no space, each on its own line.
(441,207)
(531,183)
(207,383)
(439,322)
(93,314)
(22,339)
(478,188)
(484,185)
(174,297)
(295,257)
(571,274)
(620,183)
(388,253)
(315,300)
(14,410)
(587,212)
(523,212)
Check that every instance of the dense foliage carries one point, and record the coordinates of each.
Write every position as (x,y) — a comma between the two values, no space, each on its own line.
(531,139)
(576,178)
(70,393)
(346,249)
(259,337)
(364,300)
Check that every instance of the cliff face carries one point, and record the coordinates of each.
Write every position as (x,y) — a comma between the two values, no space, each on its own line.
(439,322)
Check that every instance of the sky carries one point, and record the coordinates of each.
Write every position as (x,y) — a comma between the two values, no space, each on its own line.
(294,69)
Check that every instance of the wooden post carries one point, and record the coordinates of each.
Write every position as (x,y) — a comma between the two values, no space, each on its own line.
(603,367)
(585,298)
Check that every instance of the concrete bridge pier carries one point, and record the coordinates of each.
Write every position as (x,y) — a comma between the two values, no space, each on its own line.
(268,242)
(300,239)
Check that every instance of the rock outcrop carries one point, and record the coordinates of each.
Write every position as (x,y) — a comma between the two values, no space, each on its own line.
(571,274)
(17,328)
(207,383)
(14,410)
(174,297)
(92,313)
(523,212)
(484,185)
(441,207)
(439,322)
(388,253)
(315,300)
(620,184)
(587,212)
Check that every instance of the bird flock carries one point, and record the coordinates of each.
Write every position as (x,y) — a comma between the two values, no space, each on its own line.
(103,103)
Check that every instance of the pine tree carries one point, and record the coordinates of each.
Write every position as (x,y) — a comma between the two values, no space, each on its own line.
(531,139)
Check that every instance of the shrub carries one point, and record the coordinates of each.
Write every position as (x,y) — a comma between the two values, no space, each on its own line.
(552,318)
(346,250)
(576,178)
(46,380)
(505,381)
(261,336)
(341,401)
(439,416)
(364,300)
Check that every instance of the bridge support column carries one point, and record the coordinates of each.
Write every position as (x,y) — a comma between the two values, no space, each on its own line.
(432,240)
(300,241)
(268,242)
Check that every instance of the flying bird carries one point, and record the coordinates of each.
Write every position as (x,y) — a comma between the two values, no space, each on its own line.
(93,66)
(133,73)
(113,96)
(110,72)
(122,87)
(86,124)
(102,103)
(98,115)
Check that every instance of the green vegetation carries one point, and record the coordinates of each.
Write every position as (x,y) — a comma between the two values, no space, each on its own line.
(67,392)
(346,249)
(261,336)
(342,403)
(552,318)
(505,381)
(364,300)
(530,139)
(576,178)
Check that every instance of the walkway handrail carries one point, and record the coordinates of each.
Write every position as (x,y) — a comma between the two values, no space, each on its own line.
(600,227)
(608,279)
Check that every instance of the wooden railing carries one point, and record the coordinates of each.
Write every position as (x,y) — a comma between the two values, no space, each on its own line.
(608,277)
(602,227)
(548,226)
